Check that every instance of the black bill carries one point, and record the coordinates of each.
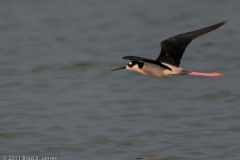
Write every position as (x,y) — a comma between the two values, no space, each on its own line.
(118,68)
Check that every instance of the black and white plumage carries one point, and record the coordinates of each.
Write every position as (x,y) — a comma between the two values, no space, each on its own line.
(167,63)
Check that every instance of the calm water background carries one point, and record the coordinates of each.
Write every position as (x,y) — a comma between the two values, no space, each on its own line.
(59,98)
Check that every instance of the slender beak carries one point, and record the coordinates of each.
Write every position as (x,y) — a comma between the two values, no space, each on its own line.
(118,68)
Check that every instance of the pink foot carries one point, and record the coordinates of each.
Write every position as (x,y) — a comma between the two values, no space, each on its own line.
(217,75)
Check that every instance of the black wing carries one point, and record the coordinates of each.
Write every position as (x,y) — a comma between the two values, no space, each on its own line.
(135,58)
(174,47)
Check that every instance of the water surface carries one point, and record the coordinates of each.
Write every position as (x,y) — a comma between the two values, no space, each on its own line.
(59,98)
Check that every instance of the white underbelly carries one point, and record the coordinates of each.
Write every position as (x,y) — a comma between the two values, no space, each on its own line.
(156,71)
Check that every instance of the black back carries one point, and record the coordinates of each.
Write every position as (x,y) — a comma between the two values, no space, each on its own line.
(174,47)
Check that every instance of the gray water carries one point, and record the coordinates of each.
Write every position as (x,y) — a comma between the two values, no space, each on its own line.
(58,97)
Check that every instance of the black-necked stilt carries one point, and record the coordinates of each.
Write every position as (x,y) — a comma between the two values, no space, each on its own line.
(167,63)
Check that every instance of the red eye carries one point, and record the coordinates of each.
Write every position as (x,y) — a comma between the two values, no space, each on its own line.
(129,64)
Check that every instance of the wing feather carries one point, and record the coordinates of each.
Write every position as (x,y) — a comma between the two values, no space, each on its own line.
(174,47)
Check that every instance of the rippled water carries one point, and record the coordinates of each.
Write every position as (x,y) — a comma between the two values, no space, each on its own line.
(58,97)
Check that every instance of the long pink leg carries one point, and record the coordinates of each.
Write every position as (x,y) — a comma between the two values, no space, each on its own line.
(205,74)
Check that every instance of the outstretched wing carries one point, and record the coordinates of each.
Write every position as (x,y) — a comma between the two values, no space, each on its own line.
(135,58)
(174,47)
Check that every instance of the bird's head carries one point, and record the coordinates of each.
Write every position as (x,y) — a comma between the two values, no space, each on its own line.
(132,65)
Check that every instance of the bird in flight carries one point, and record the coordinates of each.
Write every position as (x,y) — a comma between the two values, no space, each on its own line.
(167,63)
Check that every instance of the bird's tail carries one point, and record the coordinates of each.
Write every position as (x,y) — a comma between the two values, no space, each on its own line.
(184,72)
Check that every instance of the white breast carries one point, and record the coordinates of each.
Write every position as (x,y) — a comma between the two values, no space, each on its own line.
(153,70)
